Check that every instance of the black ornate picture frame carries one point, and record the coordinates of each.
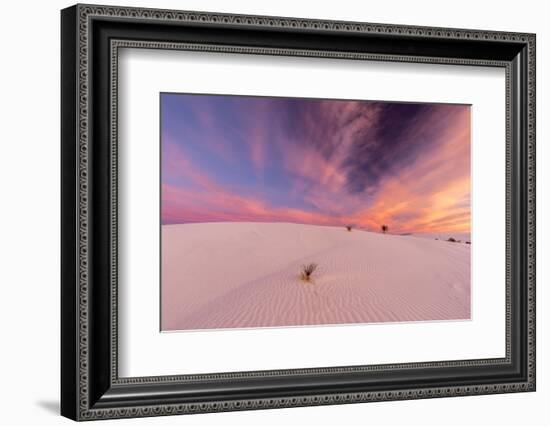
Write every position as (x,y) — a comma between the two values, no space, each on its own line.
(90,39)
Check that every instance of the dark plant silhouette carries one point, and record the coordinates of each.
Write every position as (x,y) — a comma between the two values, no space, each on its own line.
(384,228)
(307,270)
(451,240)
(468,242)
(348,227)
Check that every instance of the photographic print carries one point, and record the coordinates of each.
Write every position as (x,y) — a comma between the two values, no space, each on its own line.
(279,211)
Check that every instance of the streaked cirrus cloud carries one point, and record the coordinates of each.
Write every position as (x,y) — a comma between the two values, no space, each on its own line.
(327,162)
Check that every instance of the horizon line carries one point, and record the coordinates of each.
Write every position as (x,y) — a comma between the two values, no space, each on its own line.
(361,228)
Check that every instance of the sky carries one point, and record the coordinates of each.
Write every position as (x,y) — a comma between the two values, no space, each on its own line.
(315,161)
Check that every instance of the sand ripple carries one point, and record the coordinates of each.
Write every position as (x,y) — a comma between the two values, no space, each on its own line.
(227,275)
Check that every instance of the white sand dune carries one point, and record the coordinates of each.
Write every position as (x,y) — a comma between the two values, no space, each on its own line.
(459,236)
(234,275)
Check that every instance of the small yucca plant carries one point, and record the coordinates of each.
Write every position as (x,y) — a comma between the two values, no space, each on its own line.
(348,227)
(307,270)
(384,228)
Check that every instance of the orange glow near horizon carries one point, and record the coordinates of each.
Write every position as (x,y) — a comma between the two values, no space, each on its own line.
(317,162)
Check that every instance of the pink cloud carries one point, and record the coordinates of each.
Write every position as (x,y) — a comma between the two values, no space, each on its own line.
(440,196)
(221,205)
(429,194)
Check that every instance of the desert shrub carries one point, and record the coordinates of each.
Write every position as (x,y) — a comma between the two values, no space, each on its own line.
(307,270)
(384,228)
(451,240)
(348,227)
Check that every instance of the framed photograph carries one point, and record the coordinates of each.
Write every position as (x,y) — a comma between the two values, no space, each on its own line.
(263,212)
